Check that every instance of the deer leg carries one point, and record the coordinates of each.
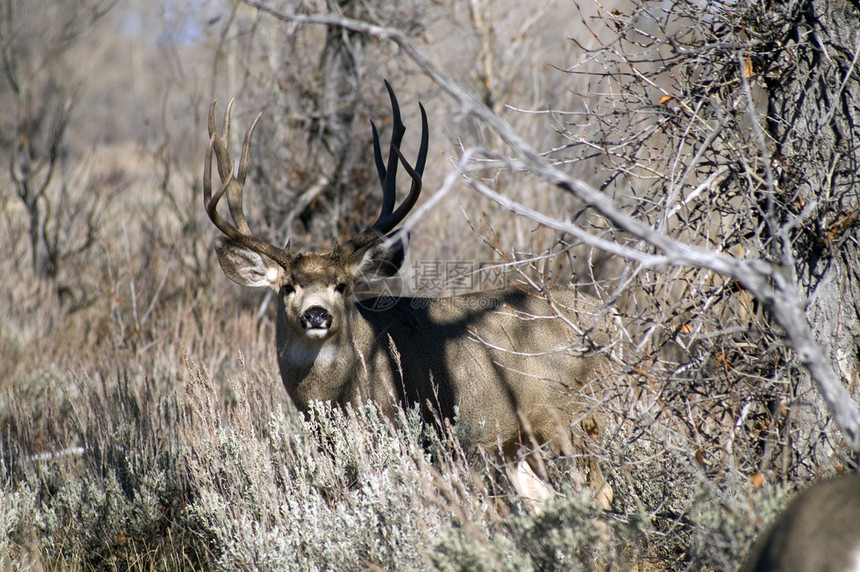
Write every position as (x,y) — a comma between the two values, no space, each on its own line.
(530,487)
(593,475)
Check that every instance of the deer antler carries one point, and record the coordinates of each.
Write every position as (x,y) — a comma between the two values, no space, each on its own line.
(388,217)
(233,186)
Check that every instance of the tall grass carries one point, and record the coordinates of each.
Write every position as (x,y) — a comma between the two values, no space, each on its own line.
(194,478)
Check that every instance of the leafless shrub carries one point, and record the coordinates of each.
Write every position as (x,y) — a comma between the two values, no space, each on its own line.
(702,84)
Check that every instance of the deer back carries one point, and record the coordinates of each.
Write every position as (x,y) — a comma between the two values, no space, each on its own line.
(515,363)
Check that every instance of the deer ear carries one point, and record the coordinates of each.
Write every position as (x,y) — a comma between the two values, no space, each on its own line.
(382,259)
(246,267)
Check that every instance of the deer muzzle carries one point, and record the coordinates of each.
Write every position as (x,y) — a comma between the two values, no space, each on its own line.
(315,318)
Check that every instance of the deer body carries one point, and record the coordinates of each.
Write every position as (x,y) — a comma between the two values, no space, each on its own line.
(820,530)
(522,367)
(422,351)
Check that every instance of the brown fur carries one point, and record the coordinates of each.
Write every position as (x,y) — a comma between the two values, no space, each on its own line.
(521,367)
(820,530)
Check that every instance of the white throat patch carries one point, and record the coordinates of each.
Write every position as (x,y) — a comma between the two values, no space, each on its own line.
(303,355)
(854,565)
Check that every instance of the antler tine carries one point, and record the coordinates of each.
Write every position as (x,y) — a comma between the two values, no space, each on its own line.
(388,217)
(416,173)
(224,169)
(237,185)
(233,187)
(388,177)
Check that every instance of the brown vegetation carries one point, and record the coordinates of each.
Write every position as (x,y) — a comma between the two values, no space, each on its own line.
(142,423)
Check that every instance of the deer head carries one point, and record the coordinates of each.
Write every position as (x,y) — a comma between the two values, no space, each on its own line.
(315,287)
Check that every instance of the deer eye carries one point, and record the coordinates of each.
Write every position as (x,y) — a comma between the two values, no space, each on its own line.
(340,288)
(287,289)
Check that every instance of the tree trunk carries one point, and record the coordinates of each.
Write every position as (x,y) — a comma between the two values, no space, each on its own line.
(814,120)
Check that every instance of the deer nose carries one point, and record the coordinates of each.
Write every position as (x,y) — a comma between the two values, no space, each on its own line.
(316,317)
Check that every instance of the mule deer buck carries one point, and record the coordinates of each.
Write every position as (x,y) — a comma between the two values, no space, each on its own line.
(820,530)
(522,367)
